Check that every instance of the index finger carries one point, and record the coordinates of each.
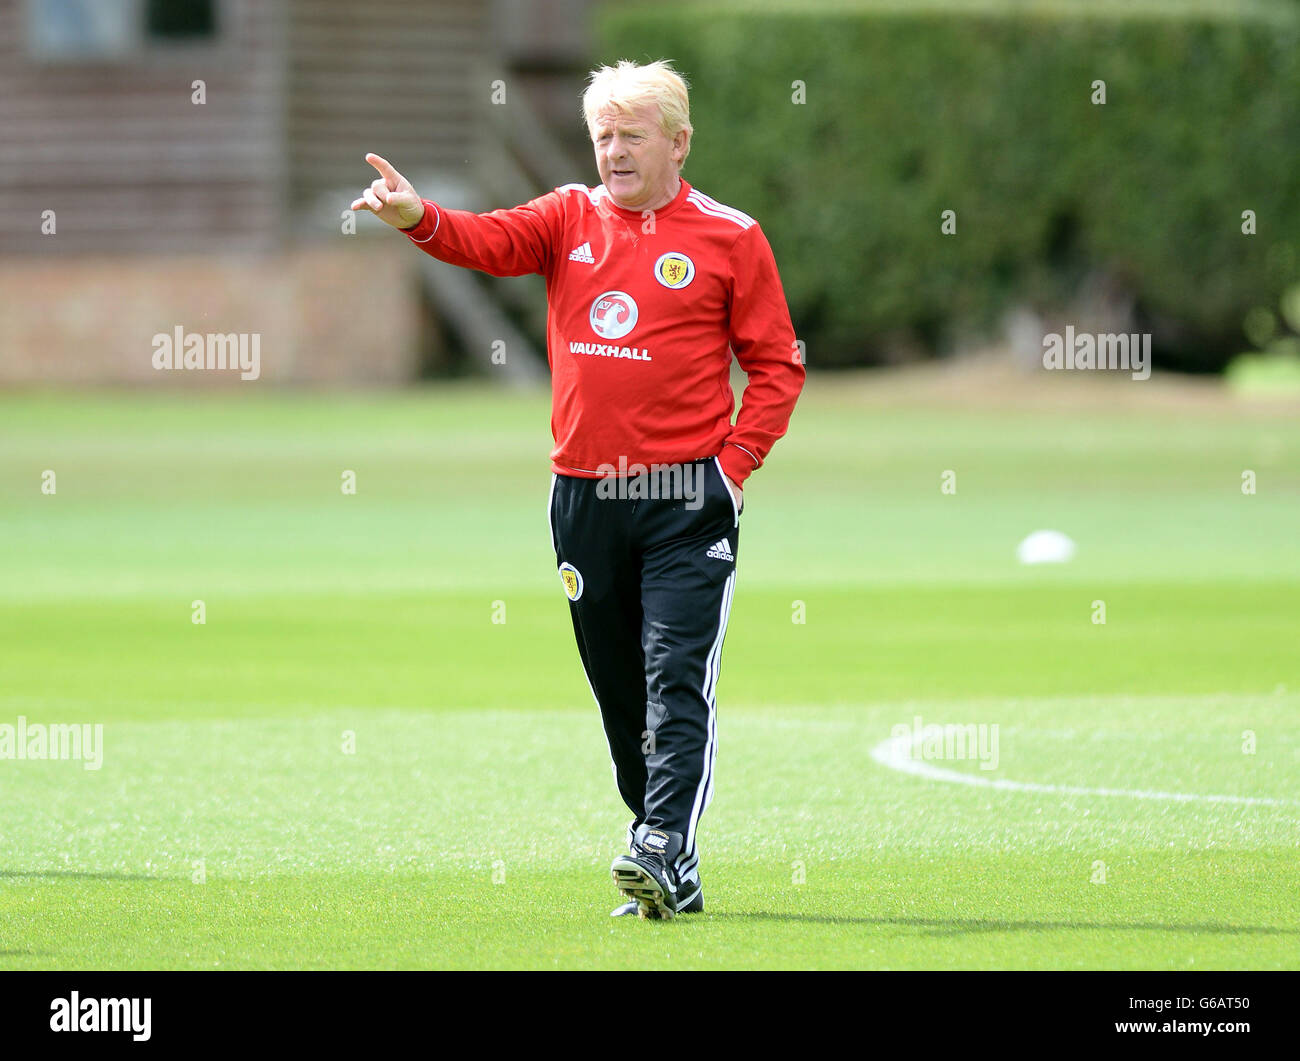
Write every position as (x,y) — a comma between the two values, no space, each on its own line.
(391,177)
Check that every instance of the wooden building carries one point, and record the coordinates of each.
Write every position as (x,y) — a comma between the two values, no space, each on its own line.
(189,162)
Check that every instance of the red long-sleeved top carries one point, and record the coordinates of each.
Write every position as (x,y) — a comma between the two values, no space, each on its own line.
(645,311)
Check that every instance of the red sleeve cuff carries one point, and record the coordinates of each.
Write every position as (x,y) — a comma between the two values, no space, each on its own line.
(737,462)
(428,225)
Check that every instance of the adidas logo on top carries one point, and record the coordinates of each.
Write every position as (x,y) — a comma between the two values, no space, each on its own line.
(582,254)
(721,550)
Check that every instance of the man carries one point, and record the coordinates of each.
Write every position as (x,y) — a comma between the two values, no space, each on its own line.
(651,286)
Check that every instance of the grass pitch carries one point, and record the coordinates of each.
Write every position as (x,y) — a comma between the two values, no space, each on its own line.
(350,764)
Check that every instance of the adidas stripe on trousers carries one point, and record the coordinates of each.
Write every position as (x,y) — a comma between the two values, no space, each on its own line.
(650,581)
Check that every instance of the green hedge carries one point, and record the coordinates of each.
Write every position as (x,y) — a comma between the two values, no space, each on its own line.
(985,109)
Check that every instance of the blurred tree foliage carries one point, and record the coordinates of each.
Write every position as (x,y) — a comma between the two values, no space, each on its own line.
(990,109)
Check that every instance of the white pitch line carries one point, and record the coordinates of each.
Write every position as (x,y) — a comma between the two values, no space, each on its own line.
(896,754)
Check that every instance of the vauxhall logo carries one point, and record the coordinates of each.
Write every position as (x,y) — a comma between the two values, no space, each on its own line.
(613,314)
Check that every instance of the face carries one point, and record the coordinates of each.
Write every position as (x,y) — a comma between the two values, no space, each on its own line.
(638,163)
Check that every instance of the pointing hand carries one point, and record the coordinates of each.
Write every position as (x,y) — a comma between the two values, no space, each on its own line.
(390,196)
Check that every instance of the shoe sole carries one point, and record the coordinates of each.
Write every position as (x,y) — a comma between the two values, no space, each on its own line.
(637,884)
(633,907)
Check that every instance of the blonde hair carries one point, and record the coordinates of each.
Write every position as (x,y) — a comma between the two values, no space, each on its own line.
(629,85)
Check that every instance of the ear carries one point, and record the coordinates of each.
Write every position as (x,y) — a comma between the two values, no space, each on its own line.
(680,143)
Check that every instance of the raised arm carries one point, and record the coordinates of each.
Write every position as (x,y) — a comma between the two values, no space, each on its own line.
(508,242)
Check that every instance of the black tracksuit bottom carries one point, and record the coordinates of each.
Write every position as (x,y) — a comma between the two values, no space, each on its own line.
(648,563)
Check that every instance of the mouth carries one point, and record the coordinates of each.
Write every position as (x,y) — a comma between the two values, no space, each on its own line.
(622,173)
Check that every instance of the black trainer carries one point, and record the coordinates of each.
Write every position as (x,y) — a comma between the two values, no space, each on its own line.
(645,875)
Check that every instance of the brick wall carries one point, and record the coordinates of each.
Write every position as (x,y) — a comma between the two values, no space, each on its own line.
(320,315)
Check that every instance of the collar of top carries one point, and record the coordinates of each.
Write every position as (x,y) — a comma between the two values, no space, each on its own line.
(663,211)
